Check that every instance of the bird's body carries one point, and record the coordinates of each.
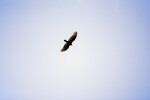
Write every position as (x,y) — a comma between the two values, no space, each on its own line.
(69,42)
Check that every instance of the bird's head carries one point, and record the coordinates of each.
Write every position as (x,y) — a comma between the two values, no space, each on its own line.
(75,33)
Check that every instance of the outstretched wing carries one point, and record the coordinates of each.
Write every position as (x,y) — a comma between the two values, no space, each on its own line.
(66,46)
(73,37)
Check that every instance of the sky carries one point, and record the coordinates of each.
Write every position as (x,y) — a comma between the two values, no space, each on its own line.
(109,60)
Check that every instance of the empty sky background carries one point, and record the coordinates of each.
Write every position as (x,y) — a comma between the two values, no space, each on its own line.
(110,59)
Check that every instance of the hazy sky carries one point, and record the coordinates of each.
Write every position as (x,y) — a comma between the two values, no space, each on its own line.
(109,60)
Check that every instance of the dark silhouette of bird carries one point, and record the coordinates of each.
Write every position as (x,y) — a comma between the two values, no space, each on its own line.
(69,42)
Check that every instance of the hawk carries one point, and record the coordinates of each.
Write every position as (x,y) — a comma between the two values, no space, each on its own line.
(69,42)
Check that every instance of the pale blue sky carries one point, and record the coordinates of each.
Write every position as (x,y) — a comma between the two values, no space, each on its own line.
(110,59)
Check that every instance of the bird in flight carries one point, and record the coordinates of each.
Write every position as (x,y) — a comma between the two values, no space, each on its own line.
(69,42)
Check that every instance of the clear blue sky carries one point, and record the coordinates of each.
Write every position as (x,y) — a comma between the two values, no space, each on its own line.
(110,59)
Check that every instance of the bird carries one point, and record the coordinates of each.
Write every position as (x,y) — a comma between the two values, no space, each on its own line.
(69,42)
